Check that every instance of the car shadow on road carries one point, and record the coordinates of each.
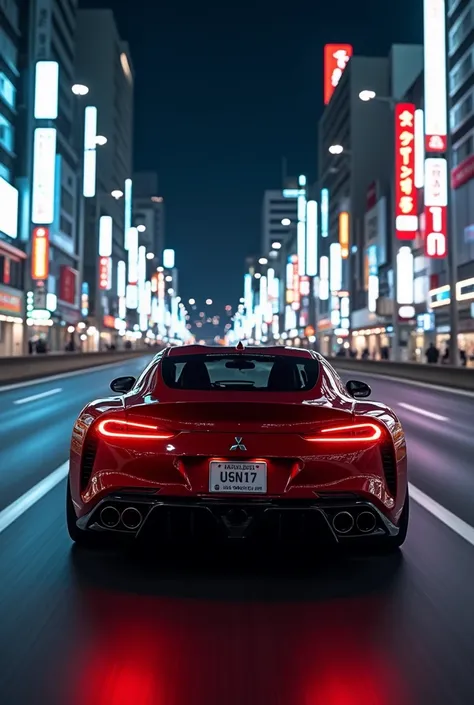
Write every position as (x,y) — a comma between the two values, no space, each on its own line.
(237,574)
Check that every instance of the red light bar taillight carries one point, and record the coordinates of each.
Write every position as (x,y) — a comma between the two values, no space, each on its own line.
(348,433)
(120,428)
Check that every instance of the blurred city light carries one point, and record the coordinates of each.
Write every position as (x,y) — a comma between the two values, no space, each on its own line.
(276,245)
(336,149)
(117,194)
(263,260)
(367,95)
(209,302)
(79,89)
(150,255)
(100,140)
(286,222)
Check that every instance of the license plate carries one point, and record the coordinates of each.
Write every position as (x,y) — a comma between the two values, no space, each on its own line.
(238,478)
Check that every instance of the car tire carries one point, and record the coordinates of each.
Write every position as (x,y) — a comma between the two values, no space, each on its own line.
(391,544)
(80,537)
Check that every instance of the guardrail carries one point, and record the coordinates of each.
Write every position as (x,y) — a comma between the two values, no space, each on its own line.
(442,375)
(25,368)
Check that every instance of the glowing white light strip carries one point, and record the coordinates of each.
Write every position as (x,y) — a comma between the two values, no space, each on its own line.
(335,265)
(435,68)
(405,276)
(419,149)
(311,238)
(301,247)
(105,236)
(128,210)
(90,153)
(46,90)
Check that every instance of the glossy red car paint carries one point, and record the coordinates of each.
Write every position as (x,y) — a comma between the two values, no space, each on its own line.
(160,440)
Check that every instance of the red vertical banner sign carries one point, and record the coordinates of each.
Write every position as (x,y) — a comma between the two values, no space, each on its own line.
(406,218)
(336,57)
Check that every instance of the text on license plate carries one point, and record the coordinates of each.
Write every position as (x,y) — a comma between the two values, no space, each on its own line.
(237,477)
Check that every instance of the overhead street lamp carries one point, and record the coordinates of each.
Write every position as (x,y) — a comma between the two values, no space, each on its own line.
(336,149)
(80,89)
(117,194)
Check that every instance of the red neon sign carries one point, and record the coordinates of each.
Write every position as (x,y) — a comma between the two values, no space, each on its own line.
(336,57)
(406,219)
(105,271)
(40,254)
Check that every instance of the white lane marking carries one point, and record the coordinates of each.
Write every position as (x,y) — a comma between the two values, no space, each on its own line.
(460,527)
(49,393)
(73,373)
(423,412)
(411,382)
(23,503)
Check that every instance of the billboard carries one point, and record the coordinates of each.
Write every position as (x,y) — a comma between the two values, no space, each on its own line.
(436,201)
(8,209)
(44,173)
(436,112)
(40,254)
(336,57)
(344,234)
(406,217)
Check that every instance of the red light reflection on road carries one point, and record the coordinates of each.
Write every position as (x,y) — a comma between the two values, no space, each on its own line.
(146,651)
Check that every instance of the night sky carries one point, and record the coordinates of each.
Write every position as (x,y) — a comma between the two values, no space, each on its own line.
(223,91)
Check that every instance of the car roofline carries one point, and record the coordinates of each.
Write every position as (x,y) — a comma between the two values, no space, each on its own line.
(228,350)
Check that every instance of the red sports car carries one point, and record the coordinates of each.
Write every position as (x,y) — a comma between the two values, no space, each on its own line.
(234,443)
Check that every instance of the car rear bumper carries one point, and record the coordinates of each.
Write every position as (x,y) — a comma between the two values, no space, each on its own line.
(336,519)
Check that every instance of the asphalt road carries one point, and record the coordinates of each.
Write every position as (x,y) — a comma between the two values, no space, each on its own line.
(235,629)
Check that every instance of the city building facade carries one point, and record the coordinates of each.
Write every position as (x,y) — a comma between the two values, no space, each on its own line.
(12,256)
(103,65)
(149,213)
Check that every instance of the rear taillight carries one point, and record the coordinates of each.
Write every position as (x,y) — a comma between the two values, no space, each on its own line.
(363,432)
(122,429)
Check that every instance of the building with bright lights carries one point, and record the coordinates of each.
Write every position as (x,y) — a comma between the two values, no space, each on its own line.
(279,205)
(356,177)
(49,169)
(149,213)
(103,64)
(11,255)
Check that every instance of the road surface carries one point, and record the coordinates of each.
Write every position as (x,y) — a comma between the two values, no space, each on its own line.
(234,629)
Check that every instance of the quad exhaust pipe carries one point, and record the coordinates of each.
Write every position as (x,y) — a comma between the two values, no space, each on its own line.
(344,522)
(111,518)
(131,518)
(366,522)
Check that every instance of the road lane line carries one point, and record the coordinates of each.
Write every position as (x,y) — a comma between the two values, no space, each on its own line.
(460,527)
(411,382)
(23,503)
(423,412)
(72,373)
(41,395)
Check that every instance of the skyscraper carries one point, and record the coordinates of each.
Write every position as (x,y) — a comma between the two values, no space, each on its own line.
(103,64)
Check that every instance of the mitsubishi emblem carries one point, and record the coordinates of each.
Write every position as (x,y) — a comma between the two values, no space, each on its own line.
(238,444)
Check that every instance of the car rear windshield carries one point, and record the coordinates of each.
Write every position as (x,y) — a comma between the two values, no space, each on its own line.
(244,372)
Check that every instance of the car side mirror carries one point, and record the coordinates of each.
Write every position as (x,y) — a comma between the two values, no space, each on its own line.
(358,390)
(122,385)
